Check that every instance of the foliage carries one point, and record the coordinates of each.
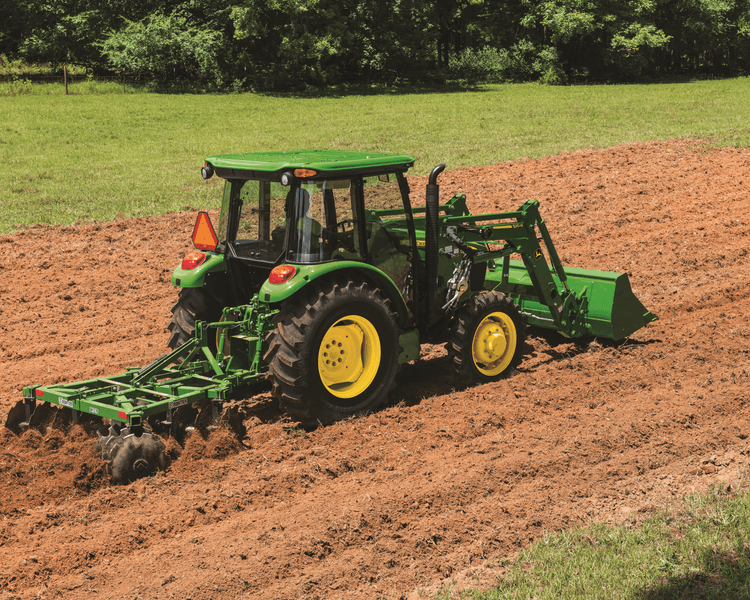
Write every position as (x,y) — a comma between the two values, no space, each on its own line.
(483,64)
(20,68)
(162,47)
(630,49)
(302,44)
(63,35)
(522,62)
(605,40)
(17,86)
(288,41)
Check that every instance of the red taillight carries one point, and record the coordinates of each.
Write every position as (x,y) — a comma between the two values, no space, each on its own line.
(281,274)
(192,260)
(305,173)
(204,236)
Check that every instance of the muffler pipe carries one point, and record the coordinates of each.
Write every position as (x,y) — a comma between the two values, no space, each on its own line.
(432,202)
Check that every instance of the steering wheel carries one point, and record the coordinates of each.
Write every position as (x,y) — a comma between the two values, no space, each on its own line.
(344,239)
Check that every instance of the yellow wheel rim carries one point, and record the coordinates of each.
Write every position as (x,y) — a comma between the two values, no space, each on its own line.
(494,344)
(349,356)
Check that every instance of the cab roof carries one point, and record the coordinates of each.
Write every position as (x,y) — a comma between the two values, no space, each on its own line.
(323,162)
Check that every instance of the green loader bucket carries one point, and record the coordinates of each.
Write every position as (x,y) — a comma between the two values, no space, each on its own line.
(609,306)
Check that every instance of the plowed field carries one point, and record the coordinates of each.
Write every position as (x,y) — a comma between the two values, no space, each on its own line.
(447,481)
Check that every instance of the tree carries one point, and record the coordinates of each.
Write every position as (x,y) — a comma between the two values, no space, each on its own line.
(602,40)
(62,32)
(161,47)
(706,35)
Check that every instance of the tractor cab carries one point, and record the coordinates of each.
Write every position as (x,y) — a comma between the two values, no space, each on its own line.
(308,216)
(306,222)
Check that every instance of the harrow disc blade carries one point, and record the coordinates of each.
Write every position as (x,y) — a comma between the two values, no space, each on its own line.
(16,420)
(183,421)
(234,418)
(131,456)
(214,416)
(44,416)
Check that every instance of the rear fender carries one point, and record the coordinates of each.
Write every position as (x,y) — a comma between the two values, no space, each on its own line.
(272,293)
(195,278)
(409,339)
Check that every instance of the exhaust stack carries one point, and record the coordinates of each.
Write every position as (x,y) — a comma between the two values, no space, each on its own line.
(432,202)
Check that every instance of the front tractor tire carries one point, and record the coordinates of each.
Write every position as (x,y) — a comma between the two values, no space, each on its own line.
(487,339)
(333,352)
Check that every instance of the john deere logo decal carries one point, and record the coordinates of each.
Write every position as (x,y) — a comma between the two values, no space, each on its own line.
(537,254)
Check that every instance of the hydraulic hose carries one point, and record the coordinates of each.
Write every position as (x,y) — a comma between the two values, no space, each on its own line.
(451,233)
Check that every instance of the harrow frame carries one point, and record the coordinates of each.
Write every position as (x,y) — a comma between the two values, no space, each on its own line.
(193,372)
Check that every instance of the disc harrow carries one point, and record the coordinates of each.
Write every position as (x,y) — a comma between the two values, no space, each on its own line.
(177,393)
(131,455)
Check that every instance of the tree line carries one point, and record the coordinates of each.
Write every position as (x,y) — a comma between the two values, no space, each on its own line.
(295,44)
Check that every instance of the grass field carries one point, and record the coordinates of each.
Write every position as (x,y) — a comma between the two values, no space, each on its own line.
(696,550)
(96,157)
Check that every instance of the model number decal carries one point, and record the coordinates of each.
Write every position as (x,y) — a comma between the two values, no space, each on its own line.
(93,410)
(508,226)
(176,403)
(64,402)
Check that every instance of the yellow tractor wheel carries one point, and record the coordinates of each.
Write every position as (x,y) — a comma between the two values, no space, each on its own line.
(487,339)
(333,353)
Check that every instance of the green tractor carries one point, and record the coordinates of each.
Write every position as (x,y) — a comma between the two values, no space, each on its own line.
(322,277)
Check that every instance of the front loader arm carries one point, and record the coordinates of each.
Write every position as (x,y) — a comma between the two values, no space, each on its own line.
(518,230)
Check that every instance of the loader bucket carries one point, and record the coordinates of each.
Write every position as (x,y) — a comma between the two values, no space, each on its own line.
(609,306)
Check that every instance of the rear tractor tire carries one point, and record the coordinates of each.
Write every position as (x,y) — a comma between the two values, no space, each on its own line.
(487,339)
(193,304)
(333,353)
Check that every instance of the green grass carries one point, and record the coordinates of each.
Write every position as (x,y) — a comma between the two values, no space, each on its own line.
(99,156)
(699,550)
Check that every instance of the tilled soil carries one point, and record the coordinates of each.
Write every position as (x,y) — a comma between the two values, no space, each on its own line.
(447,481)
